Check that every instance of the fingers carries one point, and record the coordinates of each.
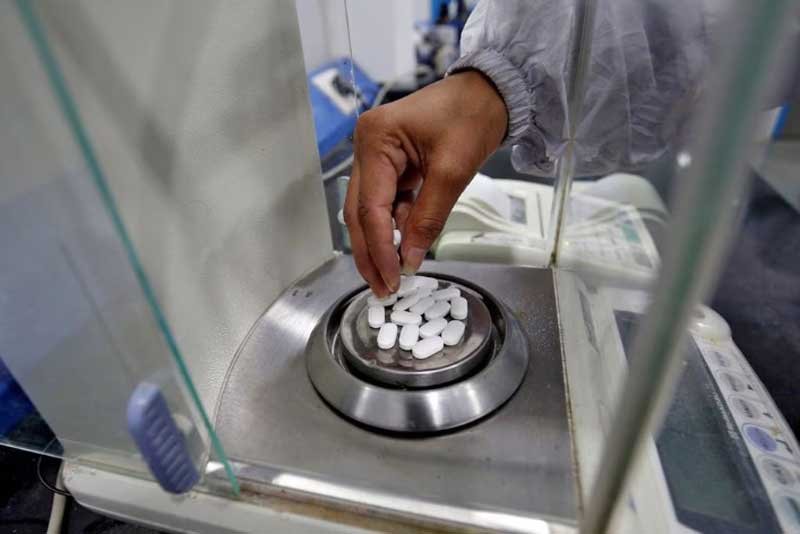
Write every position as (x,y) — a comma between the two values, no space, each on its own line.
(432,132)
(360,253)
(402,207)
(376,196)
(426,219)
(381,159)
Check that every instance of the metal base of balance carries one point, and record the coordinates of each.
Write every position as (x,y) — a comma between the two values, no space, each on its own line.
(390,390)
(506,471)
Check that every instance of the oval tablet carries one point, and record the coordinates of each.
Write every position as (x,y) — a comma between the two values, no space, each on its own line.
(458,308)
(376,316)
(453,333)
(409,336)
(427,347)
(407,286)
(387,336)
(424,292)
(372,300)
(427,282)
(406,302)
(446,294)
(421,306)
(403,318)
(397,237)
(432,328)
(439,309)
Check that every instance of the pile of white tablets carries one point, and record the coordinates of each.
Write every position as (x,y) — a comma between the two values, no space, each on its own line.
(419,311)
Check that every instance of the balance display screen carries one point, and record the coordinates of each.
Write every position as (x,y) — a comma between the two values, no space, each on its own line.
(712,482)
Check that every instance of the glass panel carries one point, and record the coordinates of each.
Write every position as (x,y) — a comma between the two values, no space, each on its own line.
(82,322)
(658,187)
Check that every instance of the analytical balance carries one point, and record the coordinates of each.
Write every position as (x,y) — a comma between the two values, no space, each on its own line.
(173,238)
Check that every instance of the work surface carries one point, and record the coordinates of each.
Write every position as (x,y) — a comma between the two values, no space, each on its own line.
(516,460)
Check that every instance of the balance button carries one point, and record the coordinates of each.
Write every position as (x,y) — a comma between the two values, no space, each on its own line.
(745,408)
(789,510)
(720,359)
(760,438)
(777,472)
(733,383)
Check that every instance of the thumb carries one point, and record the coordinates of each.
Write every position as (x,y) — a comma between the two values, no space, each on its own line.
(437,196)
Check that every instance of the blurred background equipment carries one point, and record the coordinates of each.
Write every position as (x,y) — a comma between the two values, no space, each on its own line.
(337,100)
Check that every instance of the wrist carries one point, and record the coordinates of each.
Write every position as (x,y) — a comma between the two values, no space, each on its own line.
(508,80)
(480,102)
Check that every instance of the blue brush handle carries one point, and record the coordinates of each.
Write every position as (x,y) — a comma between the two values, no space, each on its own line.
(159,439)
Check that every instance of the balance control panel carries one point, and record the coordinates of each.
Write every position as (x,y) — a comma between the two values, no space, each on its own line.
(766,435)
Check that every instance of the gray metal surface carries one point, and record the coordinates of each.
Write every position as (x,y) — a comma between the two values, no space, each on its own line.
(422,410)
(516,461)
(397,367)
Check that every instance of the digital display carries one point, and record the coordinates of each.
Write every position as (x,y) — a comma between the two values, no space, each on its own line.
(712,481)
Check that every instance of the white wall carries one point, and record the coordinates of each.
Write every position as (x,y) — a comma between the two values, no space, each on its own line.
(382,33)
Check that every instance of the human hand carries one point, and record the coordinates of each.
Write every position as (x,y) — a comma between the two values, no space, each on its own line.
(413,159)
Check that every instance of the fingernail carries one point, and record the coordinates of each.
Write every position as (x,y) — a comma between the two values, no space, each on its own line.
(381,293)
(413,259)
(393,285)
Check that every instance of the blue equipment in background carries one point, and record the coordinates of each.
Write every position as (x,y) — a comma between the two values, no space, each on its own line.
(335,101)
(14,404)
